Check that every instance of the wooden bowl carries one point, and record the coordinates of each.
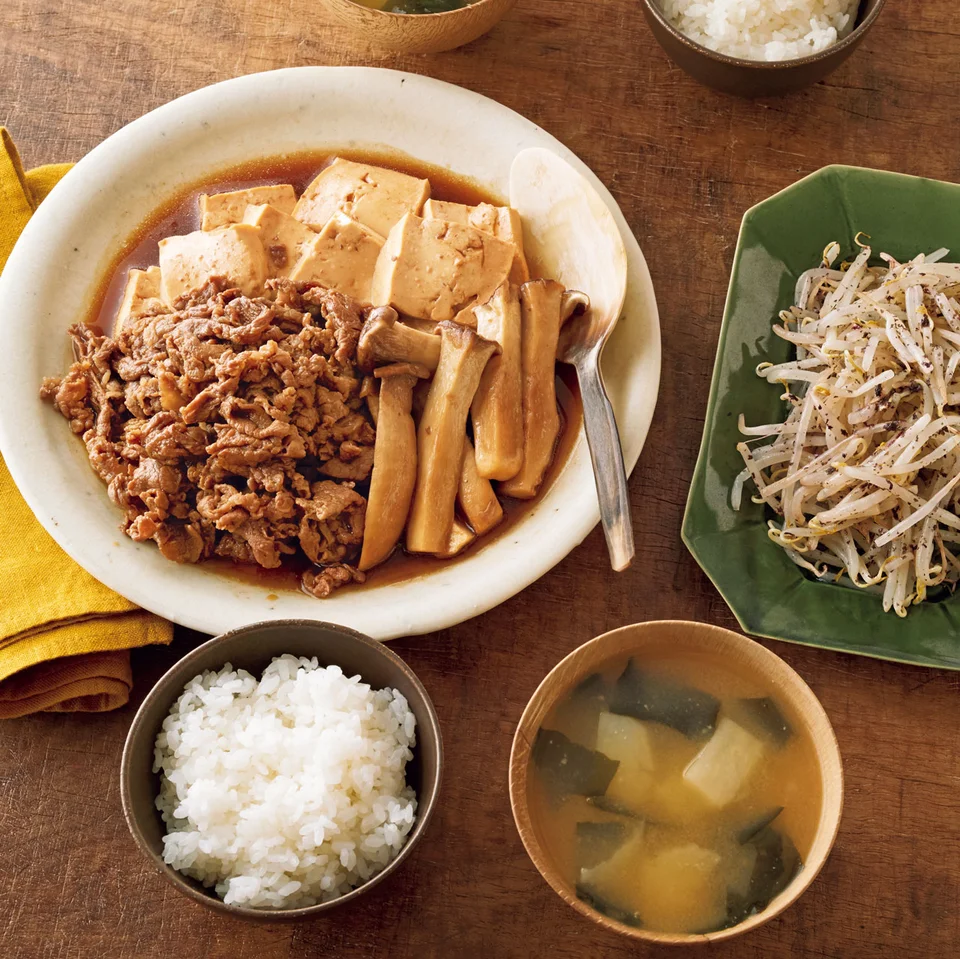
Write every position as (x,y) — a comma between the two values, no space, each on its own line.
(252,648)
(742,653)
(418,32)
(755,78)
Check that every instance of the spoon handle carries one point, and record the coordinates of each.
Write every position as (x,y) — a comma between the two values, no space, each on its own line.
(603,438)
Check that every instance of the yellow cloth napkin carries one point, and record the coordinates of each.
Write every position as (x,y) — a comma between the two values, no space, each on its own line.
(65,639)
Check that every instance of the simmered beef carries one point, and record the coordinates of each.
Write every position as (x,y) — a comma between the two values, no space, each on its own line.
(232,427)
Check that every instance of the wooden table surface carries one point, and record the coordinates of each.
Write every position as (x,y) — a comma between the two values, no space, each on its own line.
(684,163)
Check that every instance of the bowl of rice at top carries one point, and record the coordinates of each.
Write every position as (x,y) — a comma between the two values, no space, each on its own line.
(282,769)
(760,48)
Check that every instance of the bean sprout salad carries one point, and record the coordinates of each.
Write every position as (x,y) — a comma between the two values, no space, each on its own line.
(863,475)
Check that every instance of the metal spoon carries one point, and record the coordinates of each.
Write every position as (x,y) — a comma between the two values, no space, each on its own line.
(570,232)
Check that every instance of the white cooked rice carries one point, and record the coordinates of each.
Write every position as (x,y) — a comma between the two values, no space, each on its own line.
(763,29)
(286,791)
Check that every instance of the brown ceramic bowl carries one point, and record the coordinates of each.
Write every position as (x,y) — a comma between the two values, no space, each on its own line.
(252,648)
(418,32)
(755,78)
(669,636)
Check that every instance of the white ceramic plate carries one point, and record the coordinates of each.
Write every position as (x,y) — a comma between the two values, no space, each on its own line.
(53,275)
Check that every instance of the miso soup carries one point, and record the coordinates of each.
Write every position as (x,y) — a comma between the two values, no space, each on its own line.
(674,793)
(415,6)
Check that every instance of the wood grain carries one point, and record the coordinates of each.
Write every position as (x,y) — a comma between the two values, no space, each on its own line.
(684,163)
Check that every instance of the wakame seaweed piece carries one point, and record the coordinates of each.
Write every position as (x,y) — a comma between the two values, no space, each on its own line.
(763,717)
(598,841)
(738,908)
(426,6)
(751,830)
(606,804)
(593,899)
(593,687)
(567,768)
(776,866)
(778,862)
(643,696)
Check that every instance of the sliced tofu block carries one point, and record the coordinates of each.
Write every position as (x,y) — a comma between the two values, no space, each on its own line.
(284,239)
(598,841)
(222,209)
(613,881)
(445,210)
(625,739)
(682,890)
(140,295)
(502,221)
(628,741)
(376,197)
(432,269)
(341,257)
(234,252)
(725,764)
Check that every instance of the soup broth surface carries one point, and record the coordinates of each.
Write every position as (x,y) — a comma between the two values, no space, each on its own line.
(674,793)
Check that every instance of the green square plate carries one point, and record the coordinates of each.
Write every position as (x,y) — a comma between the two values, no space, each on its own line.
(779,239)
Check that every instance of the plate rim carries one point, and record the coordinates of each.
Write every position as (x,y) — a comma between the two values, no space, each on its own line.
(439,615)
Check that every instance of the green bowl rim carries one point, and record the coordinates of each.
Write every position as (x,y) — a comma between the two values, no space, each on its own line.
(697,477)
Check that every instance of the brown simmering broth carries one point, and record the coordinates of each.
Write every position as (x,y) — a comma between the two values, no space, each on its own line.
(647,848)
(180,214)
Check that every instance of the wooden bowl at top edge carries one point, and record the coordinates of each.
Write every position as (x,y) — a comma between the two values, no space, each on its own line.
(418,32)
(751,657)
(755,78)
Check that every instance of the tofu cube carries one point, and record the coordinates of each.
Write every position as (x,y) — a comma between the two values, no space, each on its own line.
(372,195)
(725,764)
(284,239)
(221,209)
(141,295)
(445,210)
(341,257)
(681,889)
(502,221)
(433,269)
(614,880)
(233,252)
(628,741)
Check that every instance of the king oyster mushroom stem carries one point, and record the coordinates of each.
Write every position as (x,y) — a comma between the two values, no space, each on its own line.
(370,392)
(497,411)
(541,302)
(384,340)
(441,436)
(394,462)
(423,326)
(420,393)
(476,496)
(461,536)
